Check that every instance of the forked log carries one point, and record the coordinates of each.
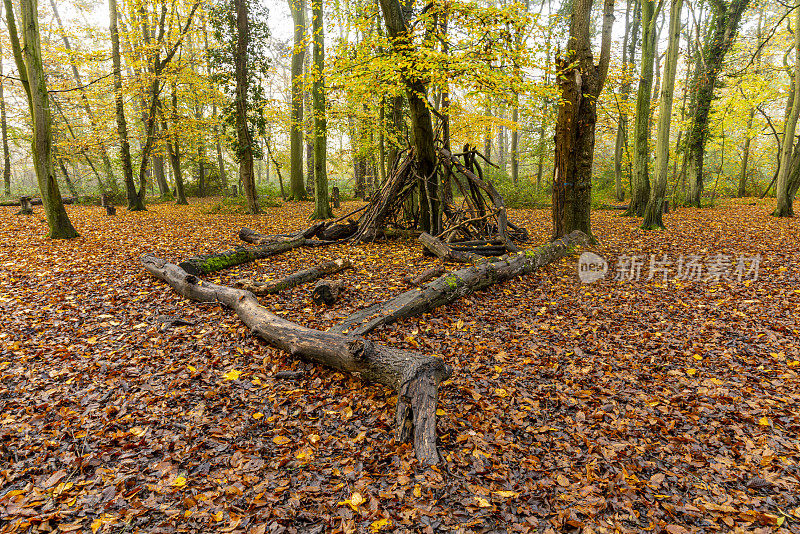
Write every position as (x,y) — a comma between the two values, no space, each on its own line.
(457,284)
(294,279)
(416,377)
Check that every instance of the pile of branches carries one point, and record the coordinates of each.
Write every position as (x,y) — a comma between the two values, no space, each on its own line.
(479,221)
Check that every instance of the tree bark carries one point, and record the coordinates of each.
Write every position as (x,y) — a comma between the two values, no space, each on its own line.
(4,130)
(724,25)
(641,130)
(30,62)
(134,200)
(416,93)
(457,284)
(322,207)
(297,188)
(294,279)
(581,82)
(174,150)
(238,255)
(244,138)
(653,216)
(327,291)
(783,187)
(415,377)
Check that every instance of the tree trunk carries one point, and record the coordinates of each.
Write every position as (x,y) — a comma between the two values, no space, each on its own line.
(724,25)
(641,130)
(174,151)
(621,141)
(416,91)
(783,187)
(298,191)
(41,118)
(415,377)
(322,207)
(111,179)
(134,200)
(653,218)
(581,82)
(244,139)
(742,189)
(4,129)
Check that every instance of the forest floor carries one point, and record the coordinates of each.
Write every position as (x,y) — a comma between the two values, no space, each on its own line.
(617,406)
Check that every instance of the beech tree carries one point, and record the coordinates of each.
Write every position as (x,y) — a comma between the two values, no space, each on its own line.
(322,208)
(653,216)
(581,81)
(28,58)
(725,18)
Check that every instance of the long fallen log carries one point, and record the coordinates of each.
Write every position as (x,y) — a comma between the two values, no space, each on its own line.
(454,285)
(294,279)
(217,261)
(416,377)
(251,236)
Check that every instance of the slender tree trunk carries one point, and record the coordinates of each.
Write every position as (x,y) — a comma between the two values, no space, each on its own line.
(581,82)
(174,150)
(298,190)
(134,200)
(742,189)
(322,208)
(4,129)
(641,130)
(29,63)
(783,187)
(621,141)
(655,207)
(724,26)
(110,178)
(244,139)
(487,136)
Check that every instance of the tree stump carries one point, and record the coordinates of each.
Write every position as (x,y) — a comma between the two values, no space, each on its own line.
(26,208)
(327,291)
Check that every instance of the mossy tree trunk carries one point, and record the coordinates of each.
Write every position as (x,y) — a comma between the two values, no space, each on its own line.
(322,207)
(296,185)
(725,18)
(581,81)
(28,57)
(788,148)
(641,130)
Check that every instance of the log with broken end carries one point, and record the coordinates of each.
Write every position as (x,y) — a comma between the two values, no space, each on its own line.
(457,284)
(425,276)
(294,279)
(416,377)
(443,251)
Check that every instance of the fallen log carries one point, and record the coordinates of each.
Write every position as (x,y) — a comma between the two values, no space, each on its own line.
(416,377)
(294,279)
(457,284)
(210,263)
(327,291)
(338,231)
(250,236)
